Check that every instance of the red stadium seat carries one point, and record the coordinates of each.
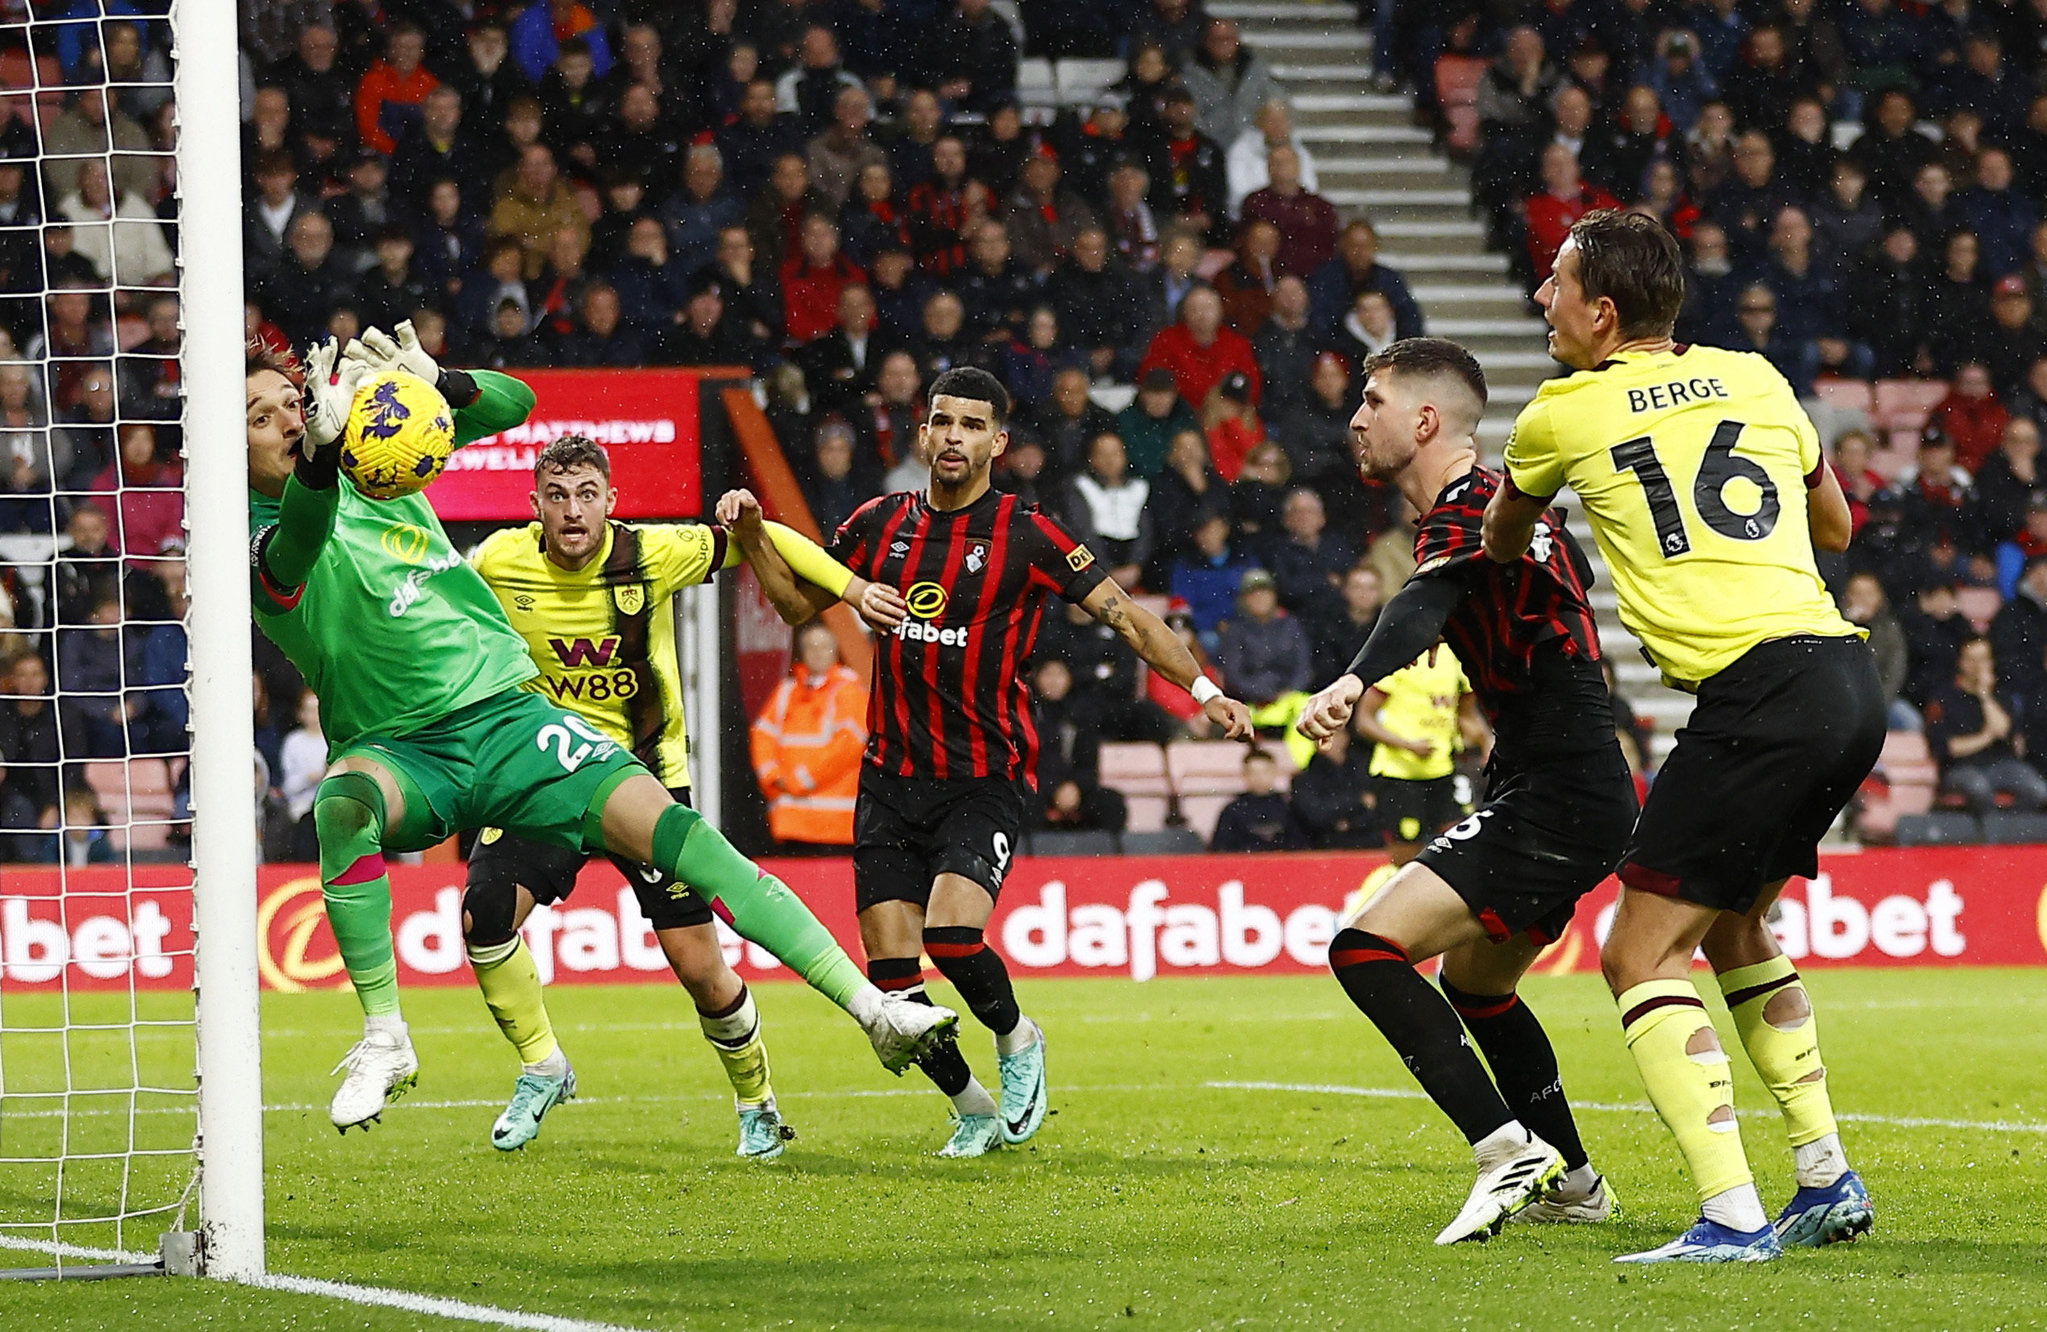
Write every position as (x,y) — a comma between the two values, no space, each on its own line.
(1852,395)
(1904,404)
(1457,93)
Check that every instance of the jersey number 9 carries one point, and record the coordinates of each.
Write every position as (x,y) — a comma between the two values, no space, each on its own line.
(1720,466)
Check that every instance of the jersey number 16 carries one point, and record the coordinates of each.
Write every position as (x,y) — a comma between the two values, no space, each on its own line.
(1721,465)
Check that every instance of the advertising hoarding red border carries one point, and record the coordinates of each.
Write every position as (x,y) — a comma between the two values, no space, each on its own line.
(1135,917)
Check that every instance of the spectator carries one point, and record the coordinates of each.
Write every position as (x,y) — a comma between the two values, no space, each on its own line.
(837,483)
(1864,603)
(1199,351)
(1165,286)
(1757,314)
(1939,502)
(1021,471)
(1333,288)
(309,284)
(1333,797)
(2018,634)
(2002,218)
(120,239)
(1334,638)
(1207,577)
(30,746)
(1890,305)
(1306,221)
(1810,304)
(155,661)
(1969,729)
(941,341)
(1805,150)
(702,210)
(389,99)
(755,139)
(706,331)
(1068,420)
(1235,431)
(1893,149)
(1316,432)
(1934,633)
(1859,481)
(1153,420)
(1285,345)
(538,33)
(892,413)
(1309,565)
(944,209)
(147,492)
(1132,226)
(1094,295)
(807,744)
(1044,220)
(2008,478)
(1763,87)
(1029,364)
(873,220)
(559,292)
(266,226)
(601,337)
(1564,199)
(838,154)
(1230,83)
(88,131)
(1248,161)
(1930,209)
(438,148)
(1105,507)
(996,291)
(840,366)
(536,206)
(1971,417)
(1069,733)
(1513,119)
(974,57)
(1189,181)
(2014,343)
(1175,27)
(1261,819)
(1958,306)
(811,89)
(2017,550)
(1246,286)
(1847,224)
(448,244)
(1367,330)
(812,280)
(32,457)
(94,715)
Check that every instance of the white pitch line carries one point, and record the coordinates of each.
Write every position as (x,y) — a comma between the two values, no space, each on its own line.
(1630,1108)
(436,1306)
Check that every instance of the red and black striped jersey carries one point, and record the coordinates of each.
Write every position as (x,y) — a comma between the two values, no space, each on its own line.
(949,698)
(1512,616)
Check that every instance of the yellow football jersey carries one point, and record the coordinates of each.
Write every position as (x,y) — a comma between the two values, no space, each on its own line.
(1691,465)
(1421,704)
(604,635)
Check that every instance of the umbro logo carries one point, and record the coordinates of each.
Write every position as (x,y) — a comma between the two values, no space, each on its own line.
(899,548)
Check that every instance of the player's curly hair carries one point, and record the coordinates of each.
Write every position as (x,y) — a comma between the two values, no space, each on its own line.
(260,355)
(976,385)
(568,452)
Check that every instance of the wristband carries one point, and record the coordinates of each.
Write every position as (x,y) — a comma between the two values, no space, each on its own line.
(459,387)
(1204,689)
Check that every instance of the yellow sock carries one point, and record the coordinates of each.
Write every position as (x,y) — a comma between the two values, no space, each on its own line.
(511,986)
(1686,1072)
(736,1035)
(1786,1051)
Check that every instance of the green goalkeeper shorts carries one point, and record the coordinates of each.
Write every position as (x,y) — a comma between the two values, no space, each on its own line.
(511,761)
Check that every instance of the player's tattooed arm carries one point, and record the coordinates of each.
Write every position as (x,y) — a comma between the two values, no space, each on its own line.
(1510,519)
(1163,651)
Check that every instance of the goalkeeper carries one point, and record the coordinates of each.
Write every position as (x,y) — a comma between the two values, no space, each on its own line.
(418,674)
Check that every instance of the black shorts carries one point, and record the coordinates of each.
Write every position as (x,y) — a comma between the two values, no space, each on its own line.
(1543,837)
(501,860)
(1412,811)
(909,830)
(1777,744)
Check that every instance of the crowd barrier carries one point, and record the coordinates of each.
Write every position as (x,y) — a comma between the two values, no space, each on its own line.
(1133,916)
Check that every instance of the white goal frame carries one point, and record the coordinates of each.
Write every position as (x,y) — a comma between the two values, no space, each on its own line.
(230,1142)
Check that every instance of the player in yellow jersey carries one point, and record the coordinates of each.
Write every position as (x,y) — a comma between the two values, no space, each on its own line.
(1418,718)
(594,599)
(1704,484)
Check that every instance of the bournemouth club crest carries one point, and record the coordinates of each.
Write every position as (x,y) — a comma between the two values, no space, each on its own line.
(977,557)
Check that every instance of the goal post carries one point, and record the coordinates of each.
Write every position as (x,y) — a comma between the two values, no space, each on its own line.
(230,1145)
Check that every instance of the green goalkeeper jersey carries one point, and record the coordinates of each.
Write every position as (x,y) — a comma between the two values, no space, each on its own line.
(390,626)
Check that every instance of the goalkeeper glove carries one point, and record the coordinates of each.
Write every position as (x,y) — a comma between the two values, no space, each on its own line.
(328,398)
(380,352)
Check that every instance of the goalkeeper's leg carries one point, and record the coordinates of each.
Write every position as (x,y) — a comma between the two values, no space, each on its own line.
(636,818)
(360,807)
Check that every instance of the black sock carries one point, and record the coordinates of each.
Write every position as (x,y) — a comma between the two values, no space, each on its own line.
(977,973)
(1419,1024)
(942,1063)
(1524,1065)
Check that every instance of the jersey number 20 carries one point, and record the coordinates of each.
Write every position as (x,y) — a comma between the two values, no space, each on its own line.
(1721,465)
(559,737)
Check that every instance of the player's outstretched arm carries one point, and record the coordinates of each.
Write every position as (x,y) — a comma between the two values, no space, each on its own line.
(796,574)
(1163,651)
(1408,627)
(1510,519)
(1827,513)
(287,552)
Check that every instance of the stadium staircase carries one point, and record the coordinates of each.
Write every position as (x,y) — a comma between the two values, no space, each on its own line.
(1373,160)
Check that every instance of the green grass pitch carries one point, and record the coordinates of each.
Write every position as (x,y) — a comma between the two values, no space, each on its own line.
(1154,1197)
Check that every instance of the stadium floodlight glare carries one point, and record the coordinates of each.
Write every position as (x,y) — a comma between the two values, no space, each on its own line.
(131,1129)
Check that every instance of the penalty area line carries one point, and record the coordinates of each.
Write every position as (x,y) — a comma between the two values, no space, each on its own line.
(1628,1108)
(405,1301)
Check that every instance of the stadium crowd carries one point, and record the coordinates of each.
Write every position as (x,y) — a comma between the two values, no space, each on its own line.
(849,197)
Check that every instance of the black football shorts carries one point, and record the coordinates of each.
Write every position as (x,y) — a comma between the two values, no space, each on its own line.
(549,873)
(909,830)
(1777,744)
(1413,811)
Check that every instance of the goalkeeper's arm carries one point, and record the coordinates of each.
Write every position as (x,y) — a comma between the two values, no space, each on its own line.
(485,402)
(286,551)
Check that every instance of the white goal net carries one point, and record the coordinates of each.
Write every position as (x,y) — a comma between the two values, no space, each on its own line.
(100,1105)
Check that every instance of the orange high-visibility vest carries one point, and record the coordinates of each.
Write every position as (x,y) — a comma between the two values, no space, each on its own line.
(806,746)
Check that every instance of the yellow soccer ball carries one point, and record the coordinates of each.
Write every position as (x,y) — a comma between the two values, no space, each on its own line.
(399,434)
